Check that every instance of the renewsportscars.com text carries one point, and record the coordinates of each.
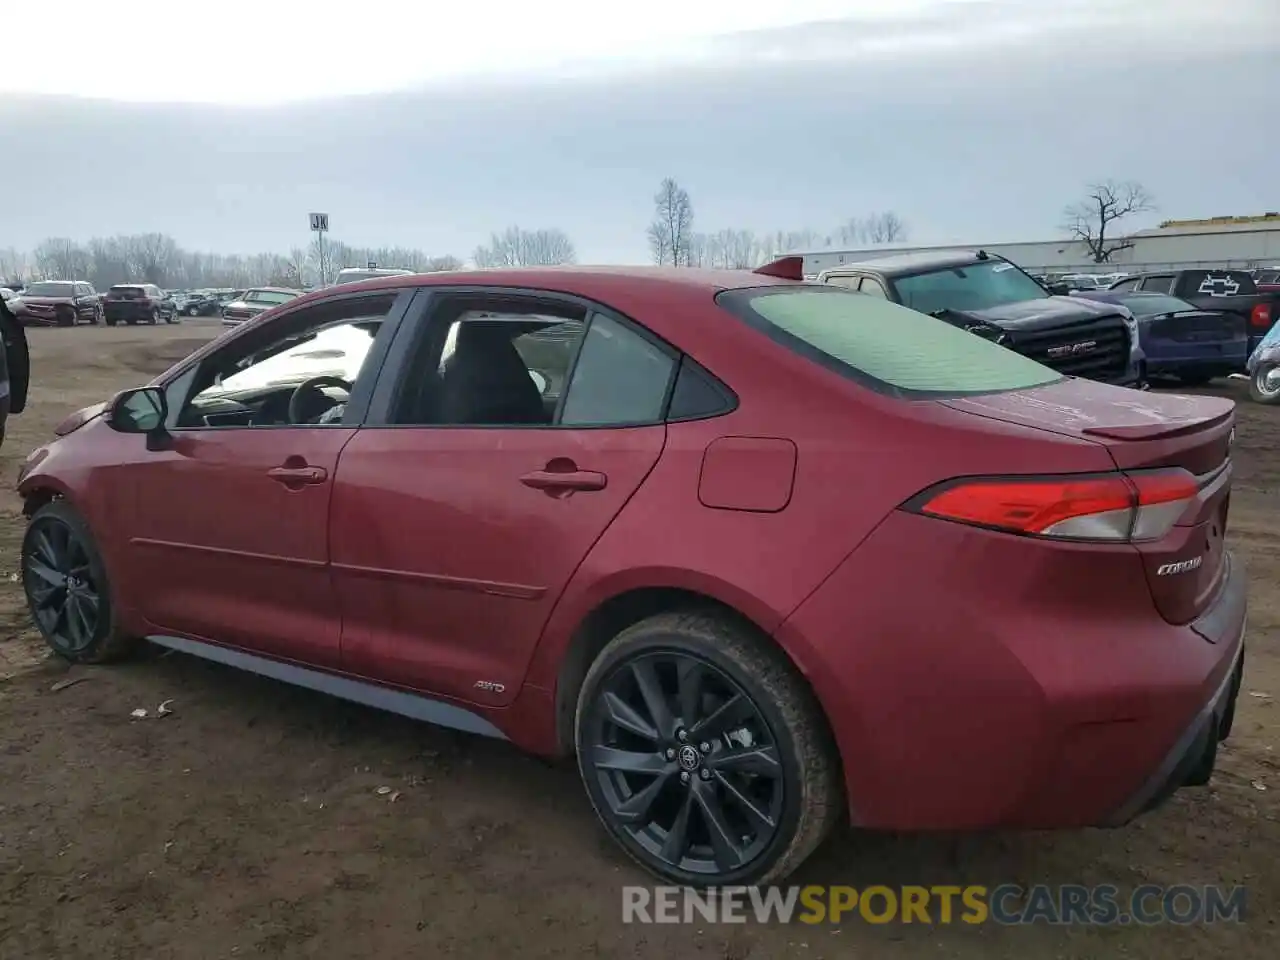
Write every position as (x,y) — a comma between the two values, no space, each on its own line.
(1005,904)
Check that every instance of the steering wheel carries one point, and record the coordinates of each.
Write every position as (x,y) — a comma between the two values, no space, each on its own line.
(309,388)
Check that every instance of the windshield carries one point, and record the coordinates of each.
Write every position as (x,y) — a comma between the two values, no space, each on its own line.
(885,346)
(978,286)
(51,288)
(1151,306)
(268,296)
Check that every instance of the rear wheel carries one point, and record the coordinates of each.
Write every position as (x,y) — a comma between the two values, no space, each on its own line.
(1264,385)
(67,589)
(704,754)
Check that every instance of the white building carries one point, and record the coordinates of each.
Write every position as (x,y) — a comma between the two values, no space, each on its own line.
(1242,242)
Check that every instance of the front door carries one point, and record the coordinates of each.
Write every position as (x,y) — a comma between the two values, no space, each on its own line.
(229,525)
(456,527)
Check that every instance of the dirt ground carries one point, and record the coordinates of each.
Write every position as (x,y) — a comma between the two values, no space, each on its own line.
(248,822)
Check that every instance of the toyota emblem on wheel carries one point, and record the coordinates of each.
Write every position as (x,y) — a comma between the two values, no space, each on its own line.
(689,758)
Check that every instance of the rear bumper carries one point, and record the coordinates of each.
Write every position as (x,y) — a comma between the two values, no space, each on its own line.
(1009,694)
(126,311)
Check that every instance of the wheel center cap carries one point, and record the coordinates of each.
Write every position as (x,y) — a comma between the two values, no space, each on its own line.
(689,758)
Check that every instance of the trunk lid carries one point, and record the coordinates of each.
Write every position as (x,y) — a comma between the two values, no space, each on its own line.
(1143,430)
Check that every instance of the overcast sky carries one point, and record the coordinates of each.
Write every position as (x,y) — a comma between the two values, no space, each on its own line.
(431,125)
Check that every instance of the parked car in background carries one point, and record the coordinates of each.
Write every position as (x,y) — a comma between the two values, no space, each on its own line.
(200,303)
(134,303)
(354,274)
(1268,280)
(991,297)
(1231,291)
(256,301)
(1263,368)
(493,564)
(1180,340)
(62,303)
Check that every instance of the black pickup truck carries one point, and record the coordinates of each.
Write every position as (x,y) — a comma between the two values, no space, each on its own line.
(991,297)
(1229,291)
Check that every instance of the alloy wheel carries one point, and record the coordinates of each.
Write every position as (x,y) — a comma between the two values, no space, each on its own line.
(1267,381)
(686,764)
(61,588)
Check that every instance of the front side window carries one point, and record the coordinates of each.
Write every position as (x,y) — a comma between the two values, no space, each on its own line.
(975,286)
(299,371)
(885,346)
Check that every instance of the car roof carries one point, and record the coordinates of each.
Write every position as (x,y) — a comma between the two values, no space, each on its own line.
(271,290)
(590,282)
(911,262)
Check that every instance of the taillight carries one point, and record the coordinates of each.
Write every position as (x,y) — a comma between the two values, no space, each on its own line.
(1261,316)
(1143,505)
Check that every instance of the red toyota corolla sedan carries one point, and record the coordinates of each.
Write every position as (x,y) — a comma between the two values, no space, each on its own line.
(763,555)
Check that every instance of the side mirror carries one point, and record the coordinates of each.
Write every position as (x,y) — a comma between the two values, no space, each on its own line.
(143,410)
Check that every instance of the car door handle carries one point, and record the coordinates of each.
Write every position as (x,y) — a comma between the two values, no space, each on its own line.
(562,482)
(298,475)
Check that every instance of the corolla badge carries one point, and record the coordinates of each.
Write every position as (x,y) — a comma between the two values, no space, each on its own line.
(1183,566)
(1072,349)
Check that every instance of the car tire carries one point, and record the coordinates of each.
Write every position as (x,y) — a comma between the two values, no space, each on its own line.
(685,773)
(192,311)
(75,615)
(66,318)
(98,315)
(1264,385)
(111,321)
(155,318)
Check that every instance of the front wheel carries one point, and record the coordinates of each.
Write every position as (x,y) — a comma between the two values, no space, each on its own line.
(66,585)
(192,311)
(1264,385)
(705,754)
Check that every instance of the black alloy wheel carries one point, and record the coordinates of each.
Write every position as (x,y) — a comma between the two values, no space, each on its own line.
(704,754)
(67,588)
(65,599)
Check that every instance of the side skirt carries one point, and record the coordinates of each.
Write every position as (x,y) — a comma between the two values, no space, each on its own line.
(410,705)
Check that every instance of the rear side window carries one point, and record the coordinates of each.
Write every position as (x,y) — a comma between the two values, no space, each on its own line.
(885,346)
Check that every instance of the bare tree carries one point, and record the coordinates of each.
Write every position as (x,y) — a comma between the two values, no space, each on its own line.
(441,264)
(671,232)
(515,247)
(61,258)
(1094,220)
(884,227)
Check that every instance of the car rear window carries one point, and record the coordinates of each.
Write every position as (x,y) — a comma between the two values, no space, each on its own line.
(1216,283)
(883,345)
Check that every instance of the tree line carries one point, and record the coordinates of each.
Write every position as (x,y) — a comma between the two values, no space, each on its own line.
(157,258)
(674,242)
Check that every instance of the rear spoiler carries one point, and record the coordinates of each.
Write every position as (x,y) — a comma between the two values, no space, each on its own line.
(784,268)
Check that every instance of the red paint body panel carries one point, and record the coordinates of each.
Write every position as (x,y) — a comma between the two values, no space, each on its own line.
(971,678)
(447,566)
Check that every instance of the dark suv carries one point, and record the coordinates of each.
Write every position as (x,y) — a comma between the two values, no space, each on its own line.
(991,297)
(138,303)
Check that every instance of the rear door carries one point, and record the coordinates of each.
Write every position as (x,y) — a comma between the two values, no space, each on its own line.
(453,533)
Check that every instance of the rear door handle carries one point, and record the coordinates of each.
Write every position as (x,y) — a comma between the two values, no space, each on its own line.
(291,476)
(562,482)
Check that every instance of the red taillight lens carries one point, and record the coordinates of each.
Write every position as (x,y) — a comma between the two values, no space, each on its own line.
(1114,506)
(1261,316)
